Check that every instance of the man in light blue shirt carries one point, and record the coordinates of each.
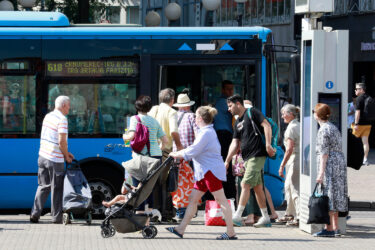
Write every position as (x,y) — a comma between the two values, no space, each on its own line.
(224,129)
(223,119)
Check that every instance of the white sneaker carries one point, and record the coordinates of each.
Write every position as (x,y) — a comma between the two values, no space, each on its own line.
(365,162)
(263,222)
(154,213)
(237,221)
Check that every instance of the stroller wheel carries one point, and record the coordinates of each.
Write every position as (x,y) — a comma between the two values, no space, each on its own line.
(66,219)
(106,232)
(112,230)
(154,231)
(149,232)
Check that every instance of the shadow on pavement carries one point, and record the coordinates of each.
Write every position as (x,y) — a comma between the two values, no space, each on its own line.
(360,232)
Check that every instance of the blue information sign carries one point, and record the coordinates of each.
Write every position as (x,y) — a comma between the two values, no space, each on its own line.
(329,85)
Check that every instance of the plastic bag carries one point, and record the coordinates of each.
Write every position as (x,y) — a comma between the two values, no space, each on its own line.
(214,215)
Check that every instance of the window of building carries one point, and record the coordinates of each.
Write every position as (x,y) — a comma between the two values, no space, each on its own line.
(132,15)
(255,12)
(343,7)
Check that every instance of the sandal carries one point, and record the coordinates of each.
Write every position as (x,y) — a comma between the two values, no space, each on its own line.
(285,219)
(293,223)
(174,231)
(225,236)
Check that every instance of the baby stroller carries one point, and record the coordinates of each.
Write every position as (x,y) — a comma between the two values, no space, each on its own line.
(77,195)
(122,217)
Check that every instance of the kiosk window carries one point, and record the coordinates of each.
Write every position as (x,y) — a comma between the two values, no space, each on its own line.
(334,102)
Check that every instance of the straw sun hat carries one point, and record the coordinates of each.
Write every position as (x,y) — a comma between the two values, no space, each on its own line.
(183,100)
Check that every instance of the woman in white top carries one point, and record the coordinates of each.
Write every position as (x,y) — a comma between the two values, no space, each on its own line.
(290,162)
(209,172)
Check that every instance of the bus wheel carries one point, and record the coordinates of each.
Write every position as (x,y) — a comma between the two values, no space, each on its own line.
(100,191)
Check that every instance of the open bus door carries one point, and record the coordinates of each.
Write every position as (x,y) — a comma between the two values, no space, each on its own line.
(204,79)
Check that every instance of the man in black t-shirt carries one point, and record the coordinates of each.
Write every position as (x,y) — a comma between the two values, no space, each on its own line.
(254,153)
(362,126)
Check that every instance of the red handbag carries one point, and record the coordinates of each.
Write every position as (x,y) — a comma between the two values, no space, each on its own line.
(214,215)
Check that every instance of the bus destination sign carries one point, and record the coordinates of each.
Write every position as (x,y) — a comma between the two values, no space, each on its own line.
(91,68)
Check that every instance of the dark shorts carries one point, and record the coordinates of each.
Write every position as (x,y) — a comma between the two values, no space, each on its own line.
(208,183)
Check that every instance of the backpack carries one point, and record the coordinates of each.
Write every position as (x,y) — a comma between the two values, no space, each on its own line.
(274,128)
(369,109)
(141,138)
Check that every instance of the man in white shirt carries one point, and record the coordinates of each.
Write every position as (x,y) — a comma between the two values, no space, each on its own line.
(52,153)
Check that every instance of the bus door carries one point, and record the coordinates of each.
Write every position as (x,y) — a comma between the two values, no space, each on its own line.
(204,78)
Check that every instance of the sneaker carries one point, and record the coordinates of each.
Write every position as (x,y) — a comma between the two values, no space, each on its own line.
(365,163)
(324,233)
(263,222)
(34,219)
(156,214)
(337,233)
(237,221)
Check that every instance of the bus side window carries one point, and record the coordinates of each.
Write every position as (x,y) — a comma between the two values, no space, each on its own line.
(17,95)
(78,110)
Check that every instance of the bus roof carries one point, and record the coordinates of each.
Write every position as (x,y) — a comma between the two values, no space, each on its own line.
(32,19)
(51,25)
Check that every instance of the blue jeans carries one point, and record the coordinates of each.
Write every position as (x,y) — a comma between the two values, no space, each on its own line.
(180,212)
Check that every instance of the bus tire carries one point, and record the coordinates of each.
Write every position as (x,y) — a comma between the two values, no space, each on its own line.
(105,182)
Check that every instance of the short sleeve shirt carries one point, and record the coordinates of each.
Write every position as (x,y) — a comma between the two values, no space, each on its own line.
(155,132)
(54,123)
(187,128)
(223,119)
(292,132)
(360,105)
(251,141)
(167,118)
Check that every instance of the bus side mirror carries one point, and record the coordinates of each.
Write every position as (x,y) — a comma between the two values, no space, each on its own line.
(296,67)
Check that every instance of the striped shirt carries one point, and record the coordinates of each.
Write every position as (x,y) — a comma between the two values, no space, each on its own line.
(155,133)
(54,123)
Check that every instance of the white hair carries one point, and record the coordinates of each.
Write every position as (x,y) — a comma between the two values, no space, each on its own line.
(60,101)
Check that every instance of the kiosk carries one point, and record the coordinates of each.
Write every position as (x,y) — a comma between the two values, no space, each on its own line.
(324,78)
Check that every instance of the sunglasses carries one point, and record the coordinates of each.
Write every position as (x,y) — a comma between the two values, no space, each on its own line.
(358,88)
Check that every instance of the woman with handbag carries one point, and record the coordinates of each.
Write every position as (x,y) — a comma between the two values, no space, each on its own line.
(290,163)
(143,105)
(331,169)
(209,172)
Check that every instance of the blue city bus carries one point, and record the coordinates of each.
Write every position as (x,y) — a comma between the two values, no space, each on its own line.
(103,68)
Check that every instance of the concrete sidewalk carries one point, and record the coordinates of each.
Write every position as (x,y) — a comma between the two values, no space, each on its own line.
(17,233)
(361,185)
